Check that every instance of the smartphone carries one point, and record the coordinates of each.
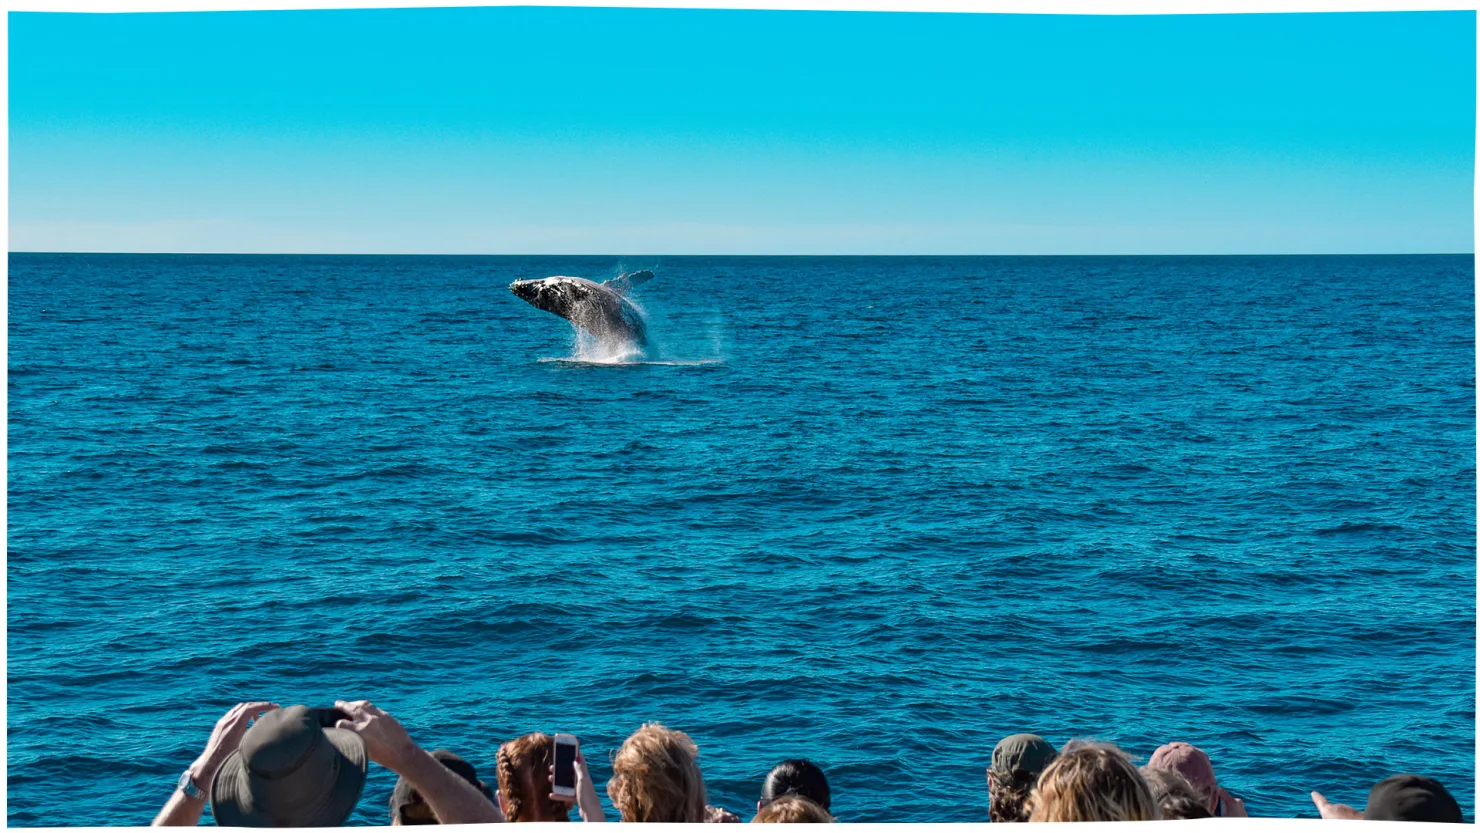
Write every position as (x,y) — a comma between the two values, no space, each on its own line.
(565,765)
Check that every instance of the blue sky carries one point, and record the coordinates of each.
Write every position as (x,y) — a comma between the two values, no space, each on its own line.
(637,131)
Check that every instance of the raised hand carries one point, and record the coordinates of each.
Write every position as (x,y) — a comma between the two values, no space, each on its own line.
(1334,811)
(585,799)
(183,811)
(1233,806)
(225,739)
(386,741)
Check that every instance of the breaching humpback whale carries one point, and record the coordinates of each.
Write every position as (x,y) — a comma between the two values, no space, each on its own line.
(598,308)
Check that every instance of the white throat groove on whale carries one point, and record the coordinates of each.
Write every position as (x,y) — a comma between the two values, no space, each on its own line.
(600,309)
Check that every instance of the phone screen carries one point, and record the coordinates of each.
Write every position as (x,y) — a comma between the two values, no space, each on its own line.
(565,766)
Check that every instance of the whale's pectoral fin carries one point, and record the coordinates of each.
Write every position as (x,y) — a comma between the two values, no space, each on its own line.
(626,282)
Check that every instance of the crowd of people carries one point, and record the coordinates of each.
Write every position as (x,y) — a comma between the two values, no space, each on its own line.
(266,766)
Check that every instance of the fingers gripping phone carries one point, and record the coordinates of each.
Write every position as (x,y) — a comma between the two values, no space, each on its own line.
(566,747)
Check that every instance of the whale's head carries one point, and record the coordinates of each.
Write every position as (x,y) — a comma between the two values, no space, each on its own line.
(594,307)
(556,294)
(528,290)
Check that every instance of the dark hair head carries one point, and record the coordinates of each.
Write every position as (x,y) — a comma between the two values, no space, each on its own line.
(407,805)
(1017,761)
(1175,795)
(1412,798)
(797,776)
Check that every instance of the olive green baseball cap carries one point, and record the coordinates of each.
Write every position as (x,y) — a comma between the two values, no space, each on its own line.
(1024,753)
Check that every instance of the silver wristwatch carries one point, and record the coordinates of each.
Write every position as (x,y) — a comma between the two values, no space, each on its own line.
(186,785)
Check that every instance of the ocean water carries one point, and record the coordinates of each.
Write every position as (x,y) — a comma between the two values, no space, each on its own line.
(879,512)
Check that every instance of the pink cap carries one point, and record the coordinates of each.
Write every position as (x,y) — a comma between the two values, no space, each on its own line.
(1191,762)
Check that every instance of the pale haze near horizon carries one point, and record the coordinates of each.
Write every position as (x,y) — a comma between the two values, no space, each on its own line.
(629,131)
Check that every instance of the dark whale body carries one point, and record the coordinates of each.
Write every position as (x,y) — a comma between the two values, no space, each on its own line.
(598,308)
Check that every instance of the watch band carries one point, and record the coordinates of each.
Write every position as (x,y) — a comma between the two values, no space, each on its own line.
(186,785)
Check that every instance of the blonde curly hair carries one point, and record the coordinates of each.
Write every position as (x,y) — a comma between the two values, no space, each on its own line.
(1092,782)
(655,777)
(793,809)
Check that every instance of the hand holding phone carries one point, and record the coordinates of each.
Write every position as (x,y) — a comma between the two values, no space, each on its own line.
(583,794)
(563,779)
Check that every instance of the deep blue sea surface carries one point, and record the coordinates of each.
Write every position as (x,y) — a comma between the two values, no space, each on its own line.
(876,511)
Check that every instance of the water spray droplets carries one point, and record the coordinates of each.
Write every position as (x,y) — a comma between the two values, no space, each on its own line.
(590,349)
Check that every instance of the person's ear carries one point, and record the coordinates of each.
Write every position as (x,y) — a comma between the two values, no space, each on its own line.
(503,804)
(759,805)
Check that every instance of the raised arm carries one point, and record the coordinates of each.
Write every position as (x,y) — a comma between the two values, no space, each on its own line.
(452,799)
(188,802)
